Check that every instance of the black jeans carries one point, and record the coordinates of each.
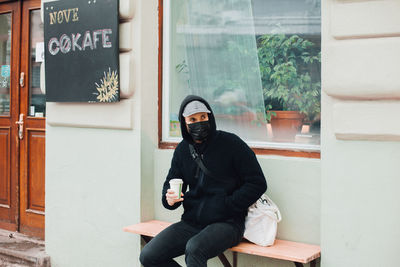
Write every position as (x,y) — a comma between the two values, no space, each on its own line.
(197,244)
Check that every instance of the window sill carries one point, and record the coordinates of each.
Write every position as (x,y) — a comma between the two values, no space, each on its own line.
(261,151)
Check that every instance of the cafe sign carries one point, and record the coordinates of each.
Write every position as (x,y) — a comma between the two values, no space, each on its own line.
(81,51)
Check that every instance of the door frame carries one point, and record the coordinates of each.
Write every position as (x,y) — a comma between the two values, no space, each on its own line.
(13,7)
(31,215)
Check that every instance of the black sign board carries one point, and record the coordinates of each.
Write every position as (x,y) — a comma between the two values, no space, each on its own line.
(81,51)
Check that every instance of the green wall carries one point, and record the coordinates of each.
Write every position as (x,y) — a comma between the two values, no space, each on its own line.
(360,200)
(92,192)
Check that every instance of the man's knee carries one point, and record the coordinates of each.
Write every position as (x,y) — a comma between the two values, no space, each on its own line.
(192,248)
(146,257)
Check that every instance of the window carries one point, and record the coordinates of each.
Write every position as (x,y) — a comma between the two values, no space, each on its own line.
(255,61)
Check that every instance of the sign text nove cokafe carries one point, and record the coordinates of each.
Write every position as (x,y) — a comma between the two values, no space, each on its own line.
(81,51)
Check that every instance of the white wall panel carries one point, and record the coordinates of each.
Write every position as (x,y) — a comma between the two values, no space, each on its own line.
(367,120)
(125,35)
(351,19)
(127,74)
(362,69)
(126,8)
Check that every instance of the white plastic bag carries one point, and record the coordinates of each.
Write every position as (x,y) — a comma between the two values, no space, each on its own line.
(261,222)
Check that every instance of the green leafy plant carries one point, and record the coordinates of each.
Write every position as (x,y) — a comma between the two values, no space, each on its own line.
(290,73)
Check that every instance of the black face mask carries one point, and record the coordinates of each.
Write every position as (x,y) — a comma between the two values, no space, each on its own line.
(199,130)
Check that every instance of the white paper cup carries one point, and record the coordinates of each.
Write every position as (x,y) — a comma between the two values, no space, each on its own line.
(176,186)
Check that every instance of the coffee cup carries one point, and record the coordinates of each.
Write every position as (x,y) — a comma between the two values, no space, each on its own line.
(176,186)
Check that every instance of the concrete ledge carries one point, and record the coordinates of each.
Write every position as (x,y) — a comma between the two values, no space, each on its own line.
(364,19)
(362,69)
(91,115)
(367,120)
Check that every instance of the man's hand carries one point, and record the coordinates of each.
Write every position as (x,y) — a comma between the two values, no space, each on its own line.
(171,197)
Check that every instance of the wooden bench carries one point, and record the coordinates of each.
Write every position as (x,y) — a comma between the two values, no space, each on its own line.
(298,253)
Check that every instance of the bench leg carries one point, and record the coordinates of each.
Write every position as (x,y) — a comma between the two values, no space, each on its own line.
(313,263)
(224,260)
(146,239)
(234,258)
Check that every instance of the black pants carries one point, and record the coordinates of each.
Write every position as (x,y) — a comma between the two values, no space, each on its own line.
(197,244)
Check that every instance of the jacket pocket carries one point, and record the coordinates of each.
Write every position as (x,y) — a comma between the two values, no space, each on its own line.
(212,208)
(190,201)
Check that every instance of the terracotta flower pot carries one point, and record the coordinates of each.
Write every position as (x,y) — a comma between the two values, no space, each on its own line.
(285,125)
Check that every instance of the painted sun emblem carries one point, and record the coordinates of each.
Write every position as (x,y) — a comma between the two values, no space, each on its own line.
(108,90)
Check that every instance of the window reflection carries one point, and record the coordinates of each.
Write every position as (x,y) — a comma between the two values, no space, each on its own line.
(5,68)
(253,60)
(37,99)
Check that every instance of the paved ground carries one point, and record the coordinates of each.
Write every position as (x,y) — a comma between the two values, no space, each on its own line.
(17,250)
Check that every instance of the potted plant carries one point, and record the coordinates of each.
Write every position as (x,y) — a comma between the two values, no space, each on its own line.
(290,74)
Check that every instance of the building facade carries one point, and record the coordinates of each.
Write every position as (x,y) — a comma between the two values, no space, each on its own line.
(105,163)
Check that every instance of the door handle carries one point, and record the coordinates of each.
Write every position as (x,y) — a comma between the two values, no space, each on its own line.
(20,126)
(22,79)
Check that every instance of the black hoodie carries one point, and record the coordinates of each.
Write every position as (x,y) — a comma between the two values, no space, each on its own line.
(226,155)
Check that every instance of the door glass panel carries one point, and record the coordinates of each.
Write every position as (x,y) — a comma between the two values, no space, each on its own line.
(37,99)
(5,69)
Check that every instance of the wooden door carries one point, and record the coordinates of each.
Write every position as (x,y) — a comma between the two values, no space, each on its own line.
(32,112)
(22,119)
(10,27)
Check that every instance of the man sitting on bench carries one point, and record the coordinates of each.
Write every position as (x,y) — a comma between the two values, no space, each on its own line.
(224,179)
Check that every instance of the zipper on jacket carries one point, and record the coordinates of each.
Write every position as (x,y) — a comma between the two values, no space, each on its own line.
(203,200)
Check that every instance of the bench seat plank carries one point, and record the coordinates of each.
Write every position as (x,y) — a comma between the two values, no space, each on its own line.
(149,228)
(282,249)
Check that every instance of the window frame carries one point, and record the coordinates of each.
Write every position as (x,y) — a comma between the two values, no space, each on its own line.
(280,151)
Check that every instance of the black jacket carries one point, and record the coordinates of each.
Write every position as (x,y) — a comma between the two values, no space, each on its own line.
(226,155)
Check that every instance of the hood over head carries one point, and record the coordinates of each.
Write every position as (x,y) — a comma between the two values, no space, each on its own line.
(211,119)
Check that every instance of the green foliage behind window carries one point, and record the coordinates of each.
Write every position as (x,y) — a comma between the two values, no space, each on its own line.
(290,73)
